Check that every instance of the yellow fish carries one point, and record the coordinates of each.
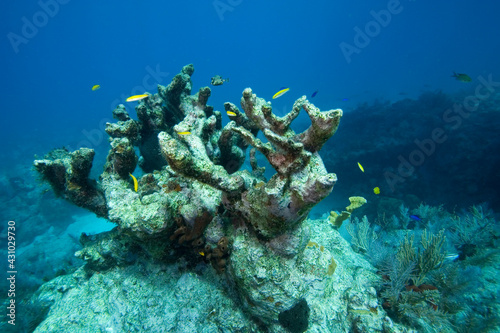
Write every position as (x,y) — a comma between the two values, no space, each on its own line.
(376,190)
(136,184)
(201,253)
(231,114)
(95,87)
(281,92)
(136,97)
(183,133)
(461,77)
(361,167)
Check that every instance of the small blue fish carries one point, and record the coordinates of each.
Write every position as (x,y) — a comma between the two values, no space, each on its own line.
(451,257)
(314,93)
(415,217)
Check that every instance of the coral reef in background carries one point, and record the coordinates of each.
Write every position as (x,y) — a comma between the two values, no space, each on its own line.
(446,281)
(382,136)
(194,208)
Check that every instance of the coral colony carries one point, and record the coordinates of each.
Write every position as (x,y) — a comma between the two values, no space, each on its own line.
(193,163)
(193,197)
(204,245)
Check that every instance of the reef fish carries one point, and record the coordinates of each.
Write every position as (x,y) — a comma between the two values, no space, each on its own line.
(136,184)
(280,93)
(361,167)
(136,97)
(376,190)
(217,80)
(231,114)
(461,77)
(452,257)
(96,87)
(184,133)
(314,94)
(415,217)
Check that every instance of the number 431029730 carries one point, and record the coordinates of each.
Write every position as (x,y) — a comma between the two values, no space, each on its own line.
(11,237)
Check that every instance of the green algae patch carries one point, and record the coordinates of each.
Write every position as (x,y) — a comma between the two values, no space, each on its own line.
(331,267)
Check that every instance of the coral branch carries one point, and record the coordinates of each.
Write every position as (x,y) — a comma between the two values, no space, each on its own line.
(68,175)
(196,164)
(324,125)
(301,180)
(121,158)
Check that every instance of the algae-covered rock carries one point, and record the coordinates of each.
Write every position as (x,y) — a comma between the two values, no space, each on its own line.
(326,273)
(198,242)
(172,297)
(143,297)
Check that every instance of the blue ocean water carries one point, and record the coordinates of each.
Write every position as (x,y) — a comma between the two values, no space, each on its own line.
(387,64)
(48,73)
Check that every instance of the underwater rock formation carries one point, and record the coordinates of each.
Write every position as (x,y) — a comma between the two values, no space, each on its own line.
(193,203)
(334,281)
